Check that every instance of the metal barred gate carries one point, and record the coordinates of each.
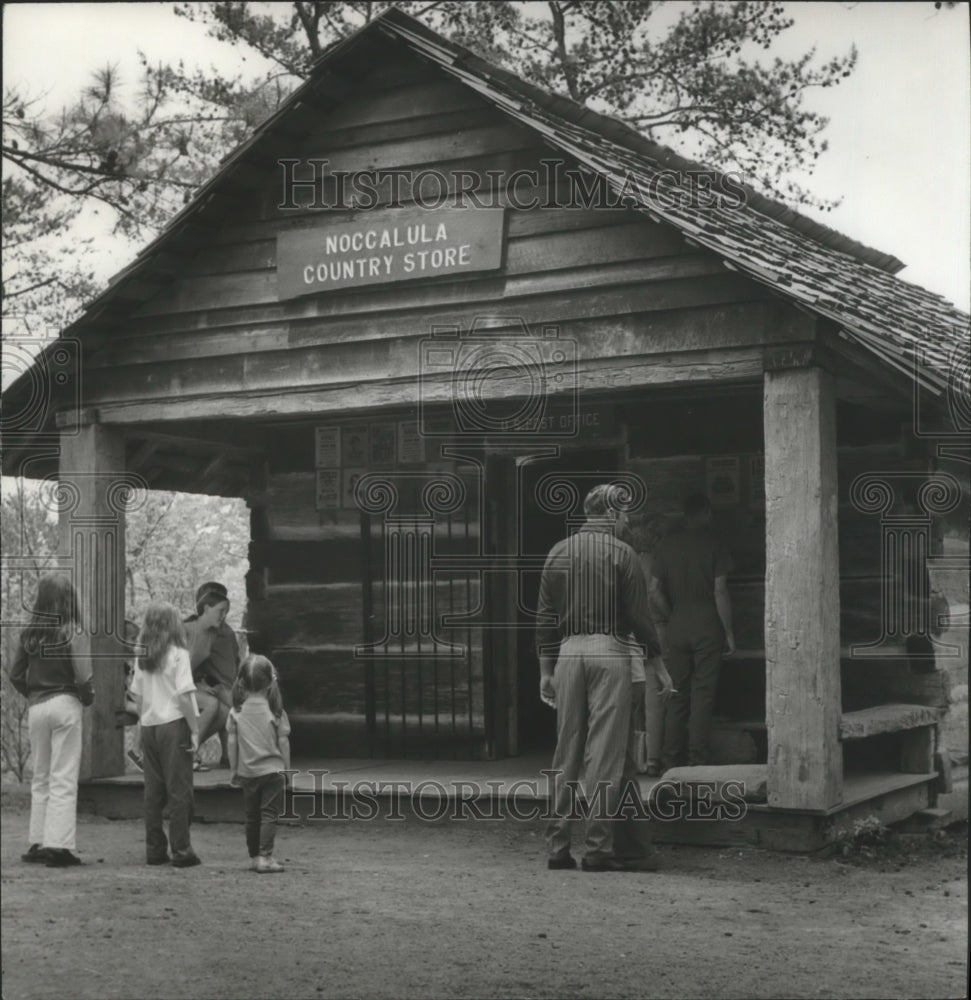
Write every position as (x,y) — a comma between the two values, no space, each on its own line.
(422,649)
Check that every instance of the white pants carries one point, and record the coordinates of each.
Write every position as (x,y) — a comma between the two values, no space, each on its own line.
(55,748)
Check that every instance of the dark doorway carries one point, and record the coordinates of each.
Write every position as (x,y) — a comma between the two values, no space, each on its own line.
(541,530)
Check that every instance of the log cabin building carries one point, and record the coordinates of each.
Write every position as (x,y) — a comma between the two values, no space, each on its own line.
(415,317)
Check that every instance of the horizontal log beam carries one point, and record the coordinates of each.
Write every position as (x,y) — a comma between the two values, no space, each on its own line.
(677,314)
(886,719)
(613,374)
(602,340)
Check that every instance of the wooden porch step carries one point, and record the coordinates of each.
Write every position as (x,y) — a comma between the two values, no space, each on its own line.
(749,781)
(892,718)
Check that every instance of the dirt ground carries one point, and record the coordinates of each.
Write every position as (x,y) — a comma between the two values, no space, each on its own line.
(411,909)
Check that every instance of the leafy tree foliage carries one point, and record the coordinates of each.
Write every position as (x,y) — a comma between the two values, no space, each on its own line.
(175,541)
(43,278)
(693,74)
(698,76)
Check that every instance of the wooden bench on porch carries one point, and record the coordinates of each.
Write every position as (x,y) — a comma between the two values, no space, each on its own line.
(915,724)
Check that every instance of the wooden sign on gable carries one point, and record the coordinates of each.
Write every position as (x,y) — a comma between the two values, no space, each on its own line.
(381,247)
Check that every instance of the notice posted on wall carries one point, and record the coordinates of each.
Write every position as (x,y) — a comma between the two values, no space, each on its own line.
(383,441)
(411,444)
(327,447)
(354,446)
(328,493)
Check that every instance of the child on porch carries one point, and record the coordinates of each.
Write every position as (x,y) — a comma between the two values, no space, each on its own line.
(259,751)
(164,691)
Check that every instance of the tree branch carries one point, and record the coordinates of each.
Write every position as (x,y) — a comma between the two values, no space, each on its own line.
(559,35)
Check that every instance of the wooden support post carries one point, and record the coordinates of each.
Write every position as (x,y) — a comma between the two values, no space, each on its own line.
(94,492)
(802,615)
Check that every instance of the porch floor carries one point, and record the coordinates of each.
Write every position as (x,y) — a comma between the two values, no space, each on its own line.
(887,796)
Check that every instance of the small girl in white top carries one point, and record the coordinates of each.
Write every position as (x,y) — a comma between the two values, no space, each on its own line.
(259,752)
(164,691)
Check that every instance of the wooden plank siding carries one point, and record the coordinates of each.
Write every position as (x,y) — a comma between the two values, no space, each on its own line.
(617,283)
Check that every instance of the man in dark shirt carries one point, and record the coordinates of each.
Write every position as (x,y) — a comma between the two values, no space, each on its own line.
(694,617)
(592,596)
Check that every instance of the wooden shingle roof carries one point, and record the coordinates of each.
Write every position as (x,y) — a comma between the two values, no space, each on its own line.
(907,327)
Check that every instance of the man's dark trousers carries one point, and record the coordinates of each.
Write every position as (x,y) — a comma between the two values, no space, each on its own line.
(695,641)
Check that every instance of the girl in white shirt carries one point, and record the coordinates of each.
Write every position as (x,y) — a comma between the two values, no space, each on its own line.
(165,693)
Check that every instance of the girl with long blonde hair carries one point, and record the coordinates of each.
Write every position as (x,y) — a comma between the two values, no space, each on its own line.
(164,691)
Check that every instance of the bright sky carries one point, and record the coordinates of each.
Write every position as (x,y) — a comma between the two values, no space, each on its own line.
(900,133)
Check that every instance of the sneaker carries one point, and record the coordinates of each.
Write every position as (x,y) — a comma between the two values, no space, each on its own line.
(136,759)
(35,855)
(186,860)
(254,864)
(266,865)
(567,862)
(162,859)
(61,857)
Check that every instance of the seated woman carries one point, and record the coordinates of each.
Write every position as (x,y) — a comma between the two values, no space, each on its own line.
(214,657)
